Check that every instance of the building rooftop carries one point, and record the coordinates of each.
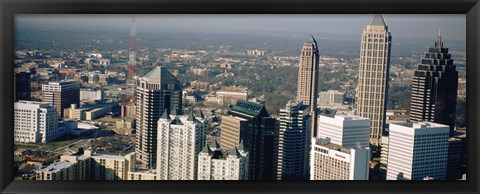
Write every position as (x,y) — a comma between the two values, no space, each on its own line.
(325,142)
(62,82)
(56,166)
(32,104)
(159,74)
(106,156)
(420,125)
(250,108)
(347,117)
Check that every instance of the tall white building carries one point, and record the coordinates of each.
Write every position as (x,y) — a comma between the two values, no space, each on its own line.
(180,139)
(217,164)
(345,130)
(35,122)
(157,91)
(372,89)
(330,161)
(417,150)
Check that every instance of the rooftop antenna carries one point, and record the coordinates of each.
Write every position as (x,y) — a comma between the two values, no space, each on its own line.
(438,42)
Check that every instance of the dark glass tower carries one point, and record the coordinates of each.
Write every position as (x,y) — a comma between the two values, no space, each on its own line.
(294,141)
(434,87)
(22,86)
(260,136)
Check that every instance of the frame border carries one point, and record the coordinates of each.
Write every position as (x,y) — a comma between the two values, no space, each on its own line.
(11,7)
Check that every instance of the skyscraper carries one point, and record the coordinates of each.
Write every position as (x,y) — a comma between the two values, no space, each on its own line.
(230,128)
(372,89)
(259,136)
(180,140)
(157,91)
(434,88)
(294,141)
(61,94)
(307,87)
(21,86)
(417,150)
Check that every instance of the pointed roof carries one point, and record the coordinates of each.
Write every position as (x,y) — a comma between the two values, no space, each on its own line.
(177,113)
(159,74)
(378,20)
(250,108)
(206,149)
(234,152)
(241,146)
(216,145)
(201,114)
(311,39)
(191,117)
(165,115)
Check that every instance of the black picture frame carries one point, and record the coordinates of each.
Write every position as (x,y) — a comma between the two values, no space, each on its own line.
(11,7)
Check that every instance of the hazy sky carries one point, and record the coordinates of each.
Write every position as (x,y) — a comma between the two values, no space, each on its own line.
(422,26)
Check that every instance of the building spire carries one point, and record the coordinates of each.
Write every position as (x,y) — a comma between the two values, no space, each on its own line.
(378,20)
(311,39)
(438,42)
(165,115)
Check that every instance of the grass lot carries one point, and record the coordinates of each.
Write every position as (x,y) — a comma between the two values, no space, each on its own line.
(107,119)
(26,145)
(58,144)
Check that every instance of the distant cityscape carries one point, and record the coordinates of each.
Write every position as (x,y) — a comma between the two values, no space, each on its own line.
(222,111)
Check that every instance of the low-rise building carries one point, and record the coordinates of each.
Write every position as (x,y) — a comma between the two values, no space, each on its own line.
(217,164)
(142,175)
(35,122)
(331,97)
(230,95)
(91,95)
(333,162)
(89,166)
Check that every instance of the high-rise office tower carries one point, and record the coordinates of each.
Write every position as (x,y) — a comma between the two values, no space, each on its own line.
(294,141)
(35,122)
(215,163)
(180,140)
(61,94)
(157,91)
(260,136)
(417,150)
(21,86)
(307,86)
(372,89)
(230,128)
(345,130)
(434,87)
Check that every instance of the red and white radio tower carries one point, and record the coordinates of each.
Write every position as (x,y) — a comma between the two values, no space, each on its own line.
(132,70)
(129,98)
